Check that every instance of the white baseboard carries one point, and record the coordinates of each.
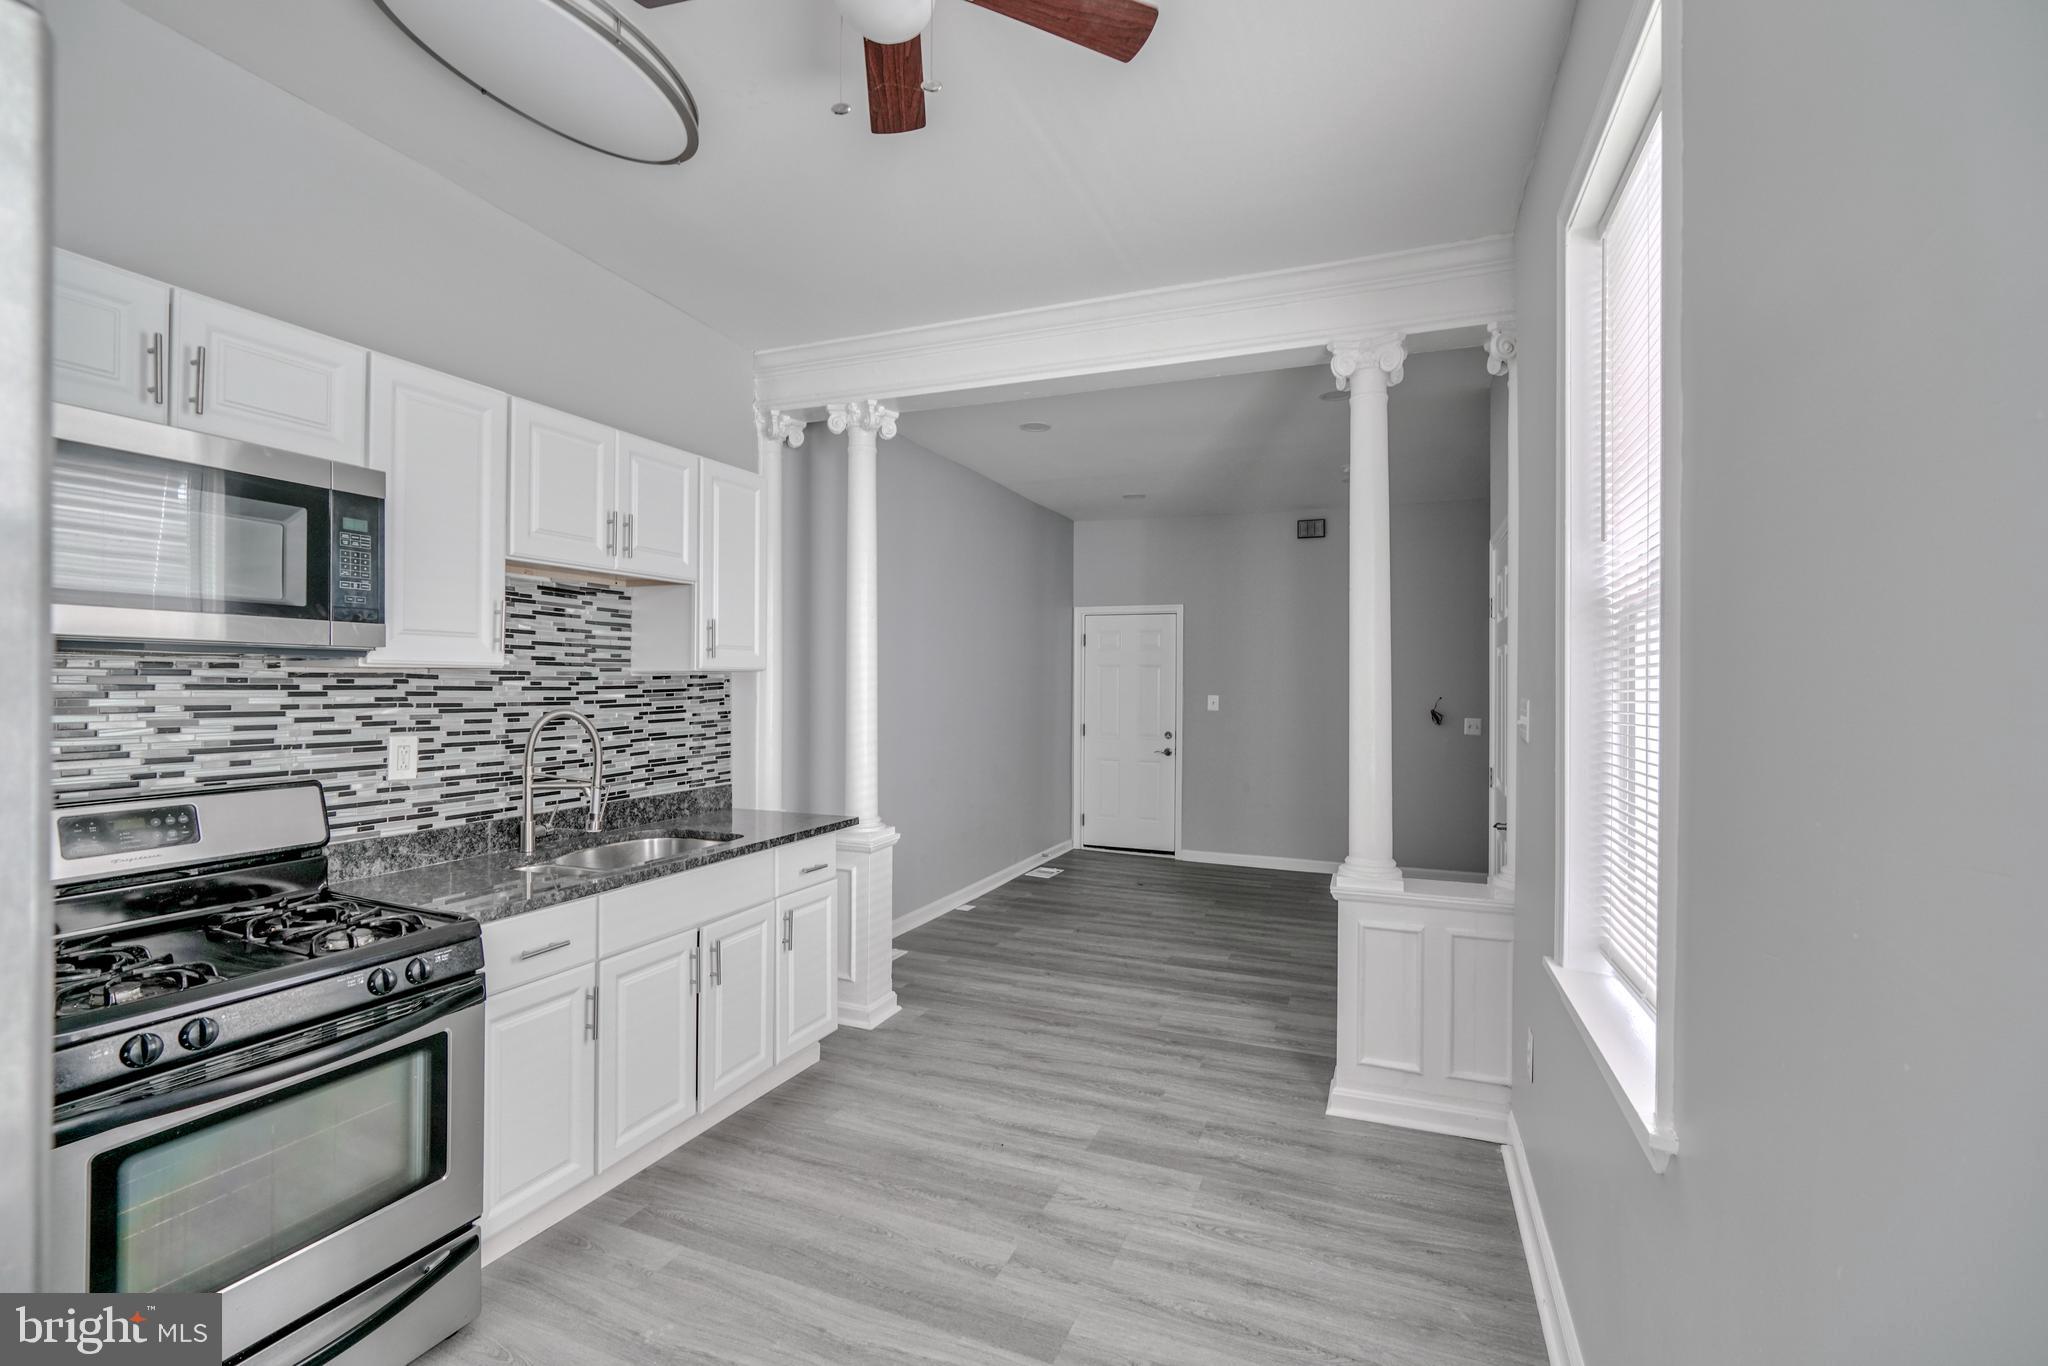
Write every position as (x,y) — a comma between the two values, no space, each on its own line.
(1431,1114)
(502,1239)
(1283,865)
(873,1017)
(1560,1338)
(1443,875)
(931,911)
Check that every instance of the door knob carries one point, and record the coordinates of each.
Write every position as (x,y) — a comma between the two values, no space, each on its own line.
(1168,752)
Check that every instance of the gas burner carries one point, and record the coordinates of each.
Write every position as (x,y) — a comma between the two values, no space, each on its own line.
(98,976)
(323,924)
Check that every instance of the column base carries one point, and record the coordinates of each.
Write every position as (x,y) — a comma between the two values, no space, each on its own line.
(1358,877)
(867,989)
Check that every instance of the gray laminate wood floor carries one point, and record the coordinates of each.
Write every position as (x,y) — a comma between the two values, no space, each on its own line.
(1095,1134)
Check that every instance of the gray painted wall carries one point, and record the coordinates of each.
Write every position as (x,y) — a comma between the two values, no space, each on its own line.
(1264,631)
(174,162)
(1265,617)
(1860,1028)
(1439,602)
(977,595)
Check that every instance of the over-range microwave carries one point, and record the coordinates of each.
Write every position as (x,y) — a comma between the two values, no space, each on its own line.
(178,538)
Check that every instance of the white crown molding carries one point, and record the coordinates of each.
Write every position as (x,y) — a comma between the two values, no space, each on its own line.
(1460,284)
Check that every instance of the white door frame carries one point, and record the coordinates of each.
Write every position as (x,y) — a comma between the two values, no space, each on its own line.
(1180,683)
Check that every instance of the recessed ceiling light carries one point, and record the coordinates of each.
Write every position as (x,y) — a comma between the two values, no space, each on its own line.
(575,67)
(1133,497)
(1335,396)
(1034,426)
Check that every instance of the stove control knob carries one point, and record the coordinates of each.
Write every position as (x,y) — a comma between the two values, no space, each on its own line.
(418,971)
(198,1034)
(142,1050)
(381,981)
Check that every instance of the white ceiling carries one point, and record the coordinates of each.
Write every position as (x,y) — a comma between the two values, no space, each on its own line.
(1245,137)
(1235,443)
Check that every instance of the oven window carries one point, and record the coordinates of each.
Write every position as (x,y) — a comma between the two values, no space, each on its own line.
(137,531)
(200,1206)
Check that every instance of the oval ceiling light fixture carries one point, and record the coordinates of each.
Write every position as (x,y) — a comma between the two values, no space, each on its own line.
(575,67)
(1034,427)
(887,21)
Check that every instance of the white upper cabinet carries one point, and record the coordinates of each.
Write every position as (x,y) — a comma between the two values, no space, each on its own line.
(732,606)
(242,375)
(441,443)
(110,339)
(657,497)
(564,470)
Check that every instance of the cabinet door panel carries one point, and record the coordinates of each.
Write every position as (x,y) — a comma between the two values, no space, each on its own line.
(731,596)
(242,375)
(738,1015)
(563,474)
(647,1045)
(539,1094)
(658,501)
(441,443)
(110,338)
(807,987)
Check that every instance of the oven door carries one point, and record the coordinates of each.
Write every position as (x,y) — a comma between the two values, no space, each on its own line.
(160,534)
(287,1186)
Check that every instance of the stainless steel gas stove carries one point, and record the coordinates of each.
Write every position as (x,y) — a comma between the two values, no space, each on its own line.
(263,1088)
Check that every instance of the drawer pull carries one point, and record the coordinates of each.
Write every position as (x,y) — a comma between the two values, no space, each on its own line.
(814,868)
(545,948)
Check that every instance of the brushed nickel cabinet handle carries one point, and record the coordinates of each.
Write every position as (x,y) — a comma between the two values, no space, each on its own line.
(198,379)
(814,868)
(629,536)
(696,980)
(611,532)
(590,1012)
(498,625)
(711,637)
(717,965)
(155,352)
(545,948)
(788,929)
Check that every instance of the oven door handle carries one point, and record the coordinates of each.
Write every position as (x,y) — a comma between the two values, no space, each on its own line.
(294,1067)
(433,1276)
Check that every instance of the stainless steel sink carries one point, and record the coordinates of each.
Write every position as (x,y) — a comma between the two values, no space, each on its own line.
(622,854)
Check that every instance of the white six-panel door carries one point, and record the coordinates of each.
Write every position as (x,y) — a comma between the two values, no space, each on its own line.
(563,473)
(441,443)
(242,375)
(738,1016)
(110,339)
(647,1044)
(807,993)
(539,1080)
(1130,708)
(657,497)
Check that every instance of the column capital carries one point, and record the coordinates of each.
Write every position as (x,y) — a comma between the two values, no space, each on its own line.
(1501,345)
(1375,362)
(869,415)
(772,424)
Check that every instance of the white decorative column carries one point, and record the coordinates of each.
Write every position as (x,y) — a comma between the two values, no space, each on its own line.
(1501,347)
(1368,369)
(867,993)
(1423,968)
(757,696)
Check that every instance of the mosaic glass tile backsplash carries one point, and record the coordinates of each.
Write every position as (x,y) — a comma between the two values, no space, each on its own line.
(130,724)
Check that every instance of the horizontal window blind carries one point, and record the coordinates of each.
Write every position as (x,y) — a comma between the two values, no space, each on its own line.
(1625,666)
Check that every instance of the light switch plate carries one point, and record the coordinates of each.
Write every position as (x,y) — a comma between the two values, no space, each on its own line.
(402,758)
(1472,725)
(1215,702)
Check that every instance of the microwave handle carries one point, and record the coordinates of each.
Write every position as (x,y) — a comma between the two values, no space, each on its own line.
(295,1067)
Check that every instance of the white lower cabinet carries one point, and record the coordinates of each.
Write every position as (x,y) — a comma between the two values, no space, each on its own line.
(807,985)
(540,1079)
(739,1002)
(647,1044)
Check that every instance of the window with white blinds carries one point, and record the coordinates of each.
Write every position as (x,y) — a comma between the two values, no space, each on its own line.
(1621,663)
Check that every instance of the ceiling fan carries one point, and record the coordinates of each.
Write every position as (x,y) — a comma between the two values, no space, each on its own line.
(892,32)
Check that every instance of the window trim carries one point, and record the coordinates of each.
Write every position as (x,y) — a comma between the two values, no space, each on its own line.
(1633,1046)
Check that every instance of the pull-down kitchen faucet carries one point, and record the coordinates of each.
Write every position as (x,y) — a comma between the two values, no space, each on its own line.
(595,787)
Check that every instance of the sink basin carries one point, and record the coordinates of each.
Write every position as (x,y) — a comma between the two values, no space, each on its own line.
(621,854)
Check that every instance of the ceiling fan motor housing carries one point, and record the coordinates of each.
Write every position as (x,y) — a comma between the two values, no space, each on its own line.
(887,21)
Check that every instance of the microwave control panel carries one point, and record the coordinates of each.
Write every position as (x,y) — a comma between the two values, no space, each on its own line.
(358,558)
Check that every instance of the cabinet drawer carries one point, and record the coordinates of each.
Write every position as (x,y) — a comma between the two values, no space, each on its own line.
(805,863)
(646,911)
(529,947)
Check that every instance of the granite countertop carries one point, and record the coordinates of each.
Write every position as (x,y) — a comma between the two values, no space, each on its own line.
(495,885)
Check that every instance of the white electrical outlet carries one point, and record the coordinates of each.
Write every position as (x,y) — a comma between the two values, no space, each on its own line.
(402,758)
(1472,725)
(1215,702)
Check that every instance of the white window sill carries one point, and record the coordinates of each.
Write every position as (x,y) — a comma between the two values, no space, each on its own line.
(1622,1037)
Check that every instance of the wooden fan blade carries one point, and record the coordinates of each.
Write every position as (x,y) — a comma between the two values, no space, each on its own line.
(1115,28)
(895,86)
